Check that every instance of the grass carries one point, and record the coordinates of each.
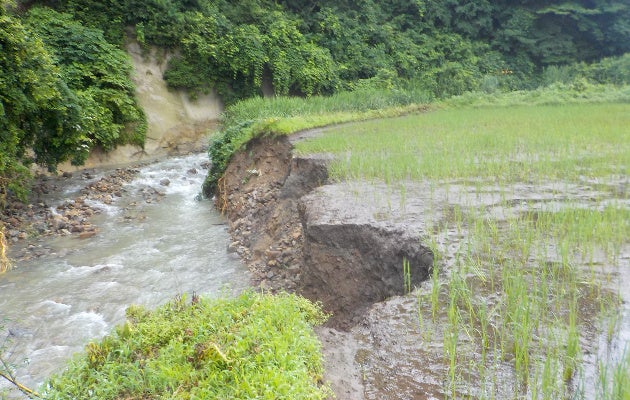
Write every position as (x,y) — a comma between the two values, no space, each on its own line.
(580,92)
(257,117)
(283,116)
(254,346)
(505,144)
(525,286)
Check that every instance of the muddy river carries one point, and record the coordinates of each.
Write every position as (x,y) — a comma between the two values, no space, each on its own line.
(144,253)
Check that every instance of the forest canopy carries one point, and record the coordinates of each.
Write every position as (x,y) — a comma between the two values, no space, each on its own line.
(65,82)
(318,47)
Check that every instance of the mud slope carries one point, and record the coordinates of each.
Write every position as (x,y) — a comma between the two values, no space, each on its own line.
(298,235)
(176,124)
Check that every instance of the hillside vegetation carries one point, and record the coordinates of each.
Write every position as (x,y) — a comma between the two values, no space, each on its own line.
(65,85)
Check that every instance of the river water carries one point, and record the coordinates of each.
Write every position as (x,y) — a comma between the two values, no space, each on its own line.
(144,253)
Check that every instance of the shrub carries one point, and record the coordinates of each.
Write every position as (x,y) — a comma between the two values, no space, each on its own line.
(251,346)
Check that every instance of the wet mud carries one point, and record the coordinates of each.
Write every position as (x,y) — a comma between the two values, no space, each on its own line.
(344,244)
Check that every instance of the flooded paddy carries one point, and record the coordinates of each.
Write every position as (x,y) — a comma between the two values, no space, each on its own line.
(528,296)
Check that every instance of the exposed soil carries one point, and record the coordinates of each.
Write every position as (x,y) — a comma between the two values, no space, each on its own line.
(293,241)
(343,244)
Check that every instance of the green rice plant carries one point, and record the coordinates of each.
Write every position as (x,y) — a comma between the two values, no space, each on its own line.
(572,344)
(614,380)
(549,387)
(406,276)
(503,145)
(516,286)
(451,336)
(621,379)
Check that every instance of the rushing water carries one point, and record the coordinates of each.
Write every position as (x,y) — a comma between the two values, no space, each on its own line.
(144,253)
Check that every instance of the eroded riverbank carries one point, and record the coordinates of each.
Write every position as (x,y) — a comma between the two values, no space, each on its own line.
(344,245)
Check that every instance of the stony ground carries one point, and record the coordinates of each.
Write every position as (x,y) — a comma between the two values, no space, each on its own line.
(27,224)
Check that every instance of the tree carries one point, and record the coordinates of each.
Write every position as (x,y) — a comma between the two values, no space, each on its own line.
(63,90)
(98,76)
(32,107)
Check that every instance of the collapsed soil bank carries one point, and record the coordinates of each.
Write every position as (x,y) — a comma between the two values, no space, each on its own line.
(293,241)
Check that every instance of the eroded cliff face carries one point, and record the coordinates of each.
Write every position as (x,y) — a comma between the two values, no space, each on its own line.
(299,234)
(176,123)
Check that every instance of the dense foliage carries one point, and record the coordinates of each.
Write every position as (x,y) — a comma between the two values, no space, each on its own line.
(63,90)
(254,346)
(98,73)
(65,82)
(317,47)
(33,106)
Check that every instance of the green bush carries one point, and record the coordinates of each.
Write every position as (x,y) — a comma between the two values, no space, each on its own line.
(98,73)
(254,346)
(37,110)
(63,90)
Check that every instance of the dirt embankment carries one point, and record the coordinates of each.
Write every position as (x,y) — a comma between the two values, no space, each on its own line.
(294,239)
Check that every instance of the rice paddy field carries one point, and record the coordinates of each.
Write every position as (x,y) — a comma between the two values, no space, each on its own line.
(531,232)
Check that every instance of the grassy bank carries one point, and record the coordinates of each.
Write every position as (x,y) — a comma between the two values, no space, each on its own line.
(527,287)
(283,115)
(253,346)
(257,116)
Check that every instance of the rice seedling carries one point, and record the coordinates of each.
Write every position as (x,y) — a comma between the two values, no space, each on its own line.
(406,276)
(527,278)
(499,144)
